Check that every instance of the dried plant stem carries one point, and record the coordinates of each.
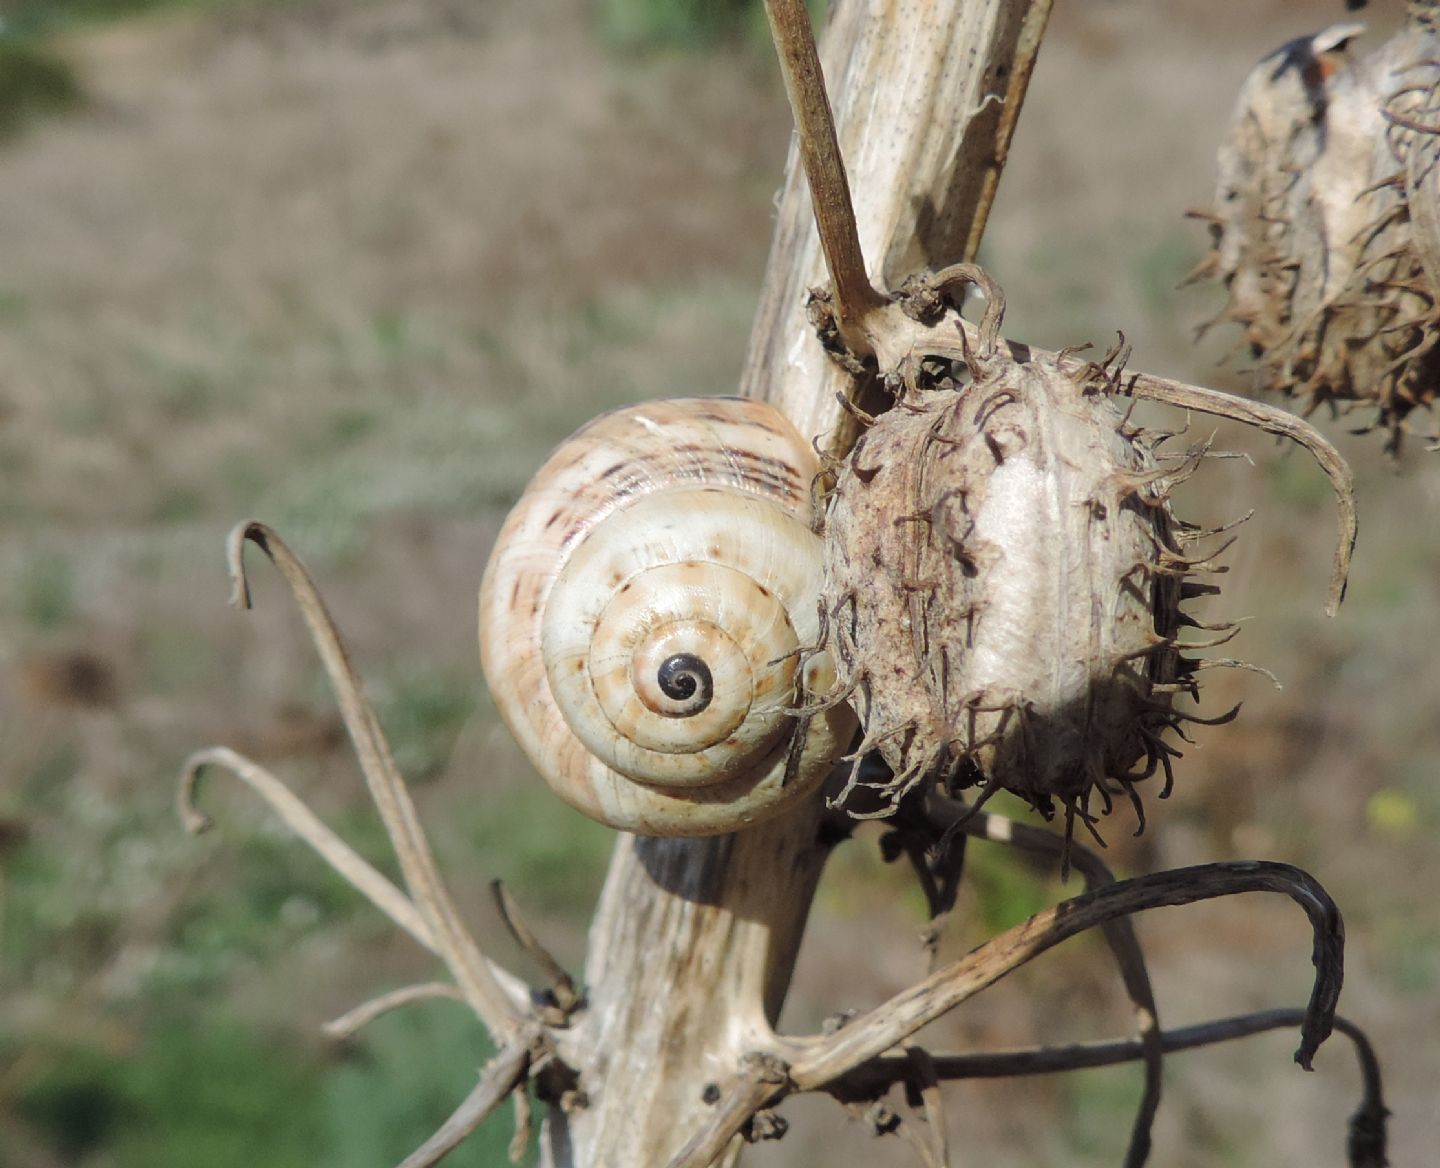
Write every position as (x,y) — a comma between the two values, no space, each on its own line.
(503,1074)
(352,1021)
(984,177)
(562,988)
(760,1081)
(947,814)
(861,311)
(854,295)
(818,1062)
(349,864)
(354,868)
(452,941)
(1283,424)
(933,1145)
(702,934)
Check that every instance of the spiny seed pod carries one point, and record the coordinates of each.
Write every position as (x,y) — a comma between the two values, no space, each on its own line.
(1326,228)
(1003,586)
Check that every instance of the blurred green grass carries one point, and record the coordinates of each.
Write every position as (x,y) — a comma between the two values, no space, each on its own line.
(38,18)
(33,82)
(687,24)
(214,1091)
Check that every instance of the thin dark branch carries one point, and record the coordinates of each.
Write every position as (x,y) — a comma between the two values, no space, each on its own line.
(562,988)
(1367,1125)
(886,1070)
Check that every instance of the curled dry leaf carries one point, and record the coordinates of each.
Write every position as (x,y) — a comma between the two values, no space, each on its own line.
(1326,226)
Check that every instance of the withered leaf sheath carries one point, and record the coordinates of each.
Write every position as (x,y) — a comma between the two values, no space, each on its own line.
(1003,587)
(1326,226)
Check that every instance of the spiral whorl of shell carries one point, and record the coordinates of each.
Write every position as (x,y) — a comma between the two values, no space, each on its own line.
(644,616)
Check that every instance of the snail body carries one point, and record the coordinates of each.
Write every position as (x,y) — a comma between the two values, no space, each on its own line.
(646,617)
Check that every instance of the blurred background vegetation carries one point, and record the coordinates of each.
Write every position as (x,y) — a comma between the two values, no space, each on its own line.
(353,266)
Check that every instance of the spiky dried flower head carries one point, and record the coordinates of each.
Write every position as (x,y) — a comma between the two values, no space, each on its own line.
(1004,579)
(1326,226)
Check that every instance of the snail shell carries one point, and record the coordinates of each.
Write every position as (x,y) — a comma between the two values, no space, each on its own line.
(647,615)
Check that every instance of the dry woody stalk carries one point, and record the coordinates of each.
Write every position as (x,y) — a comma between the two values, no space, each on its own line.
(538,1028)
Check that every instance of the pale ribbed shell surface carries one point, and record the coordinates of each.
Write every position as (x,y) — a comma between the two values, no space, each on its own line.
(641,616)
